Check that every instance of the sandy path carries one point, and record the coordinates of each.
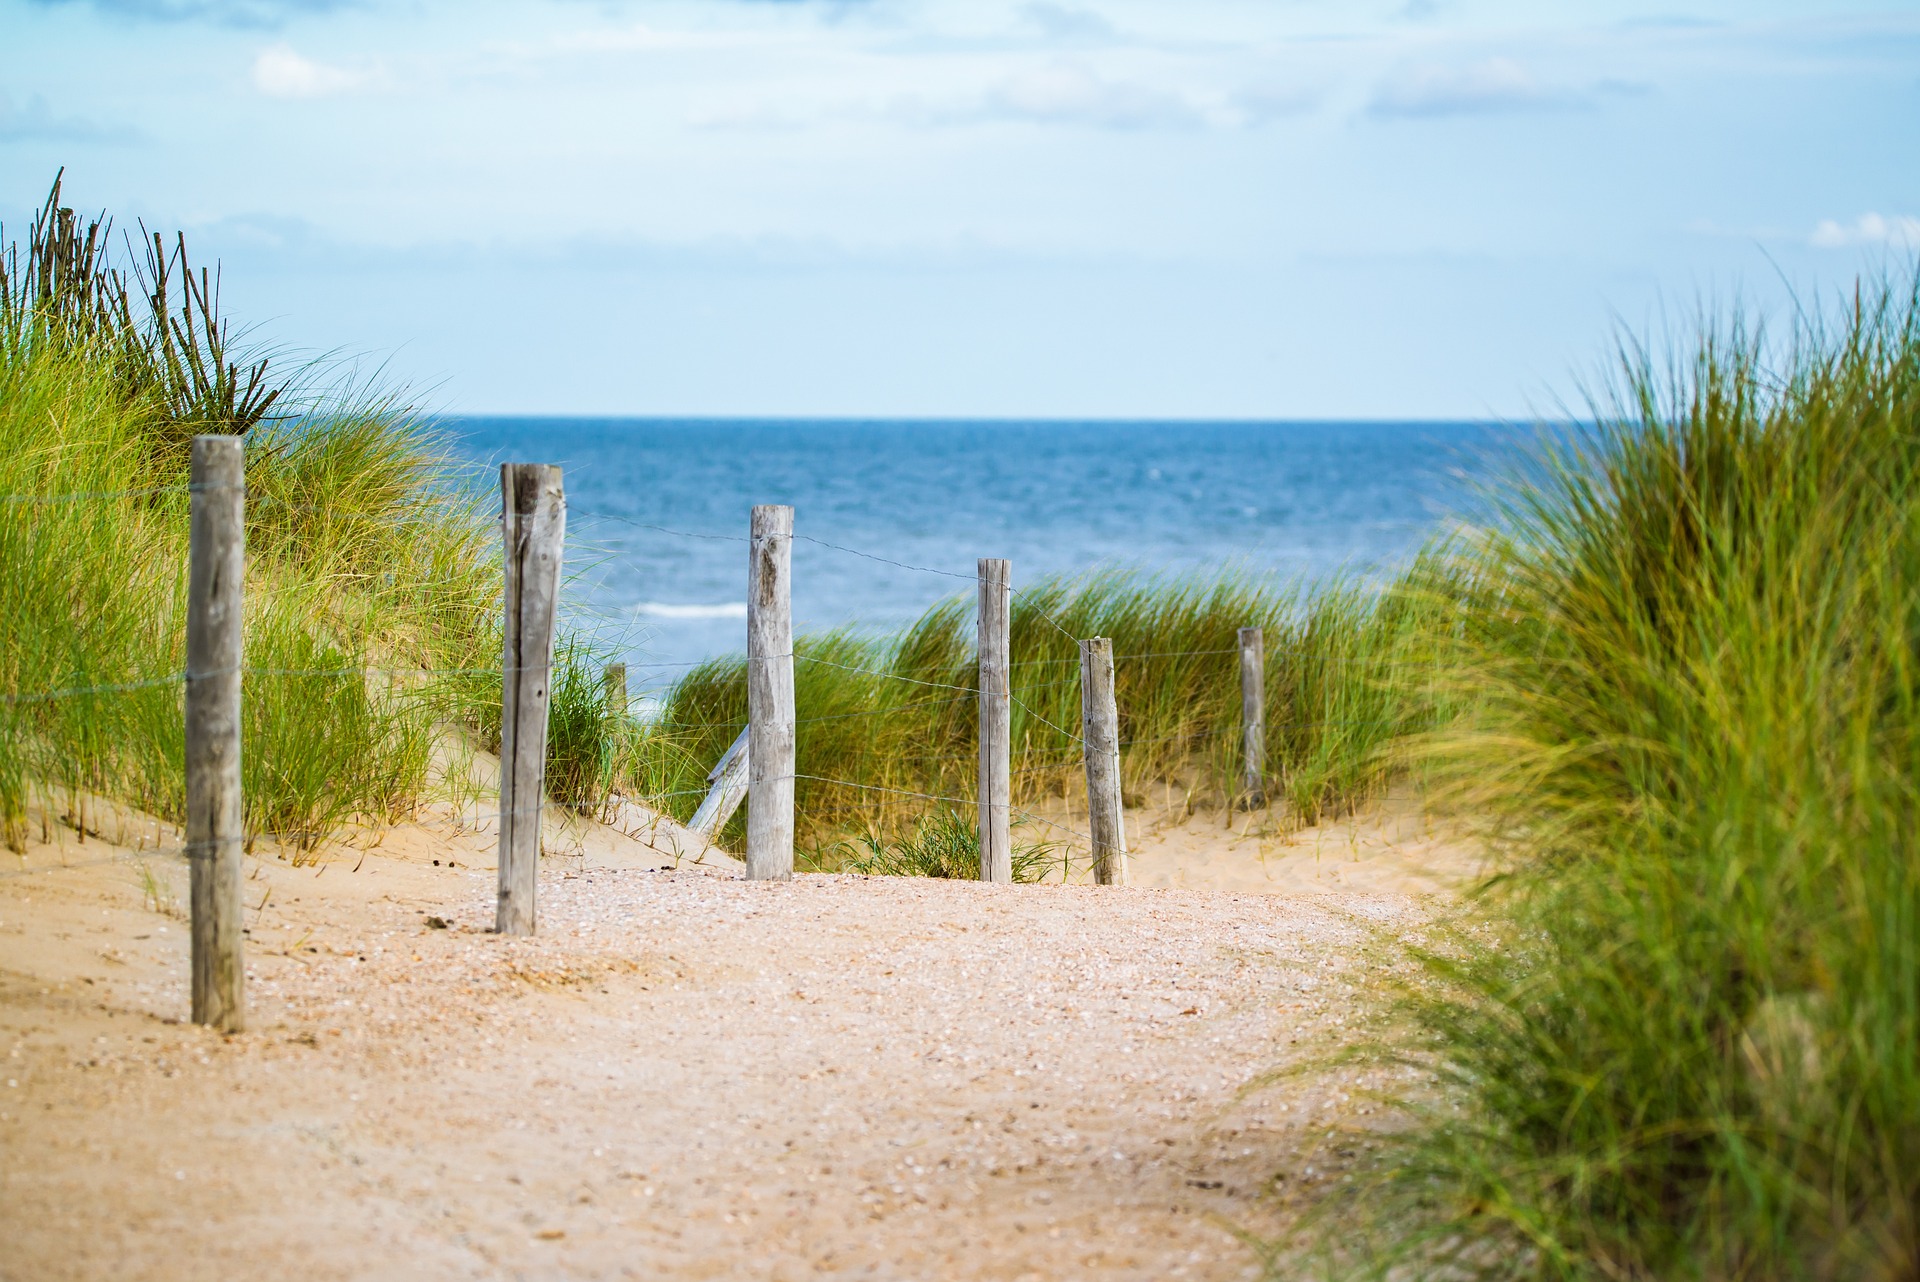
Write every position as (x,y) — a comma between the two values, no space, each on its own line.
(686,1075)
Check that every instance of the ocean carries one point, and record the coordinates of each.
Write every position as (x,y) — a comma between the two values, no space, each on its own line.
(1288,499)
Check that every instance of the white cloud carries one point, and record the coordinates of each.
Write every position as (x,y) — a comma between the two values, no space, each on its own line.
(1900,231)
(1061,95)
(745,113)
(1260,104)
(1067,23)
(1495,84)
(1065,95)
(641,37)
(279,72)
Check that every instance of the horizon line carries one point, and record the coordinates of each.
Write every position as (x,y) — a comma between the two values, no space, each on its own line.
(1007,419)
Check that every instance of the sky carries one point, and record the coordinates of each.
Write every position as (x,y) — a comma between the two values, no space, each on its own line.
(1019,208)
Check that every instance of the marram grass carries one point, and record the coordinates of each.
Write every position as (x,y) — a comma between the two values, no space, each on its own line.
(943,843)
(368,573)
(887,724)
(1679,1037)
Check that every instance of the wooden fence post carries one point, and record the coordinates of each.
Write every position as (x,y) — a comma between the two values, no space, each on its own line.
(616,684)
(1100,727)
(1253,716)
(729,788)
(770,726)
(995,794)
(533,524)
(216,574)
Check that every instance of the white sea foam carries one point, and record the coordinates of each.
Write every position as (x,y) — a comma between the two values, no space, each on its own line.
(679,610)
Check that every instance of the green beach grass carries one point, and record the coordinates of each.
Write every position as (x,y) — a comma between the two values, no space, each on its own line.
(1678,1036)
(887,724)
(368,572)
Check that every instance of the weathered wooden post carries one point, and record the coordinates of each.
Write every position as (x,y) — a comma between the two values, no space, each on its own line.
(996,720)
(216,574)
(770,724)
(729,788)
(533,526)
(616,685)
(1100,728)
(1253,716)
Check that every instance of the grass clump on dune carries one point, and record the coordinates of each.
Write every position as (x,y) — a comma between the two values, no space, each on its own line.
(943,843)
(1691,666)
(367,572)
(898,712)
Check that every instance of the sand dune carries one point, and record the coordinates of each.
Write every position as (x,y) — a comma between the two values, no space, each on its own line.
(687,1075)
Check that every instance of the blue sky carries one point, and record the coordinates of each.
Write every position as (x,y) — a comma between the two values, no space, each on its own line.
(1258,208)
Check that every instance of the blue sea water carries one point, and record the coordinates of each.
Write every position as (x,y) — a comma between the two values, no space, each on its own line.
(1290,499)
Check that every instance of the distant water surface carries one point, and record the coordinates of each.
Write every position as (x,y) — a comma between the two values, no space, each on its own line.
(1291,499)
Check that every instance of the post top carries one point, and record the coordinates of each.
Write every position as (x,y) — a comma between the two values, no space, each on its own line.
(217,461)
(525,485)
(772,518)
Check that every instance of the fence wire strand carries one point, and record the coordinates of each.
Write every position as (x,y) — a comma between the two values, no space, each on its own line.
(71,692)
(479,823)
(85,496)
(891,676)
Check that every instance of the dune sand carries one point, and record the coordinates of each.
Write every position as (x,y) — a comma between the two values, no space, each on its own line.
(686,1075)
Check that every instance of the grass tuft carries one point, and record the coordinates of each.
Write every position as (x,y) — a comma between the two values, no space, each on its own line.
(1679,1036)
(943,843)
(1348,675)
(370,572)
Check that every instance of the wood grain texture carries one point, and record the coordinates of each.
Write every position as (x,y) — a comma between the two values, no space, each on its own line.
(533,527)
(1100,727)
(729,788)
(1253,716)
(995,795)
(216,577)
(770,717)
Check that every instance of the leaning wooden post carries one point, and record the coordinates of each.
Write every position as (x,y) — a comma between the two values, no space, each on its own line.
(1100,728)
(533,524)
(770,722)
(729,788)
(216,574)
(996,720)
(1253,715)
(616,686)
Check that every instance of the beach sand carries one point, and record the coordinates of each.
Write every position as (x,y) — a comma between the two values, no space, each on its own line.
(686,1075)
(1391,848)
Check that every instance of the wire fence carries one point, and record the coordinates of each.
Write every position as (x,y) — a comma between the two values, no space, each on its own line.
(1021,699)
(303,839)
(1040,767)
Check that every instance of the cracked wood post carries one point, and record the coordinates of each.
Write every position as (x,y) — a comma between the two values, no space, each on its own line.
(729,788)
(1253,716)
(615,681)
(216,574)
(533,527)
(1100,727)
(770,724)
(996,720)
